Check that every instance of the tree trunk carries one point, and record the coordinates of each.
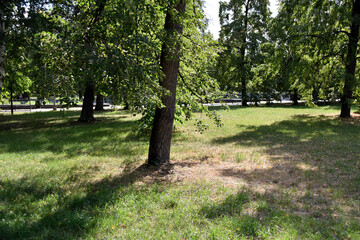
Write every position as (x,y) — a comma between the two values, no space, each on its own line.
(160,141)
(54,104)
(37,103)
(12,99)
(87,111)
(315,94)
(2,47)
(244,97)
(295,97)
(351,62)
(244,100)
(99,102)
(80,95)
(126,107)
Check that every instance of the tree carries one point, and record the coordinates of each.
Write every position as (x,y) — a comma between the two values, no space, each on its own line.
(243,28)
(160,141)
(350,63)
(20,20)
(51,67)
(2,46)
(87,112)
(121,50)
(327,33)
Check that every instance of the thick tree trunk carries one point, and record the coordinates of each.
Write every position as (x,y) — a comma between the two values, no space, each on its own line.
(2,47)
(87,112)
(244,97)
(351,62)
(160,141)
(99,102)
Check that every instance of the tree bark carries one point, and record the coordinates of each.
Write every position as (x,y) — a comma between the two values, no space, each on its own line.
(87,111)
(351,62)
(99,102)
(295,97)
(2,47)
(160,140)
(244,97)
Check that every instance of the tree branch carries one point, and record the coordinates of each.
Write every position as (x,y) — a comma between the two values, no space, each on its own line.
(189,88)
(341,31)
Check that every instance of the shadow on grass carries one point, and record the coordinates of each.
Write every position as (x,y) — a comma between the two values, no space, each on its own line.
(320,147)
(252,215)
(50,132)
(333,106)
(314,168)
(68,216)
(66,203)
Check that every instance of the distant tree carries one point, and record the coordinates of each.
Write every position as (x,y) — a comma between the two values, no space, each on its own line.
(121,51)
(2,46)
(20,21)
(326,35)
(243,29)
(91,61)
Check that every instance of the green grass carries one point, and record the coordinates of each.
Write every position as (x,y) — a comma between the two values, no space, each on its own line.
(277,172)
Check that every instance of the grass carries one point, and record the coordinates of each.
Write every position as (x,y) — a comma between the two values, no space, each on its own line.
(276,172)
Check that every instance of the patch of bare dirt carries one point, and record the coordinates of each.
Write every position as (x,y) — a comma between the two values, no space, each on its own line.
(297,187)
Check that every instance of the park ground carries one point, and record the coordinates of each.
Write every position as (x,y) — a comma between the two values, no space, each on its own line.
(277,172)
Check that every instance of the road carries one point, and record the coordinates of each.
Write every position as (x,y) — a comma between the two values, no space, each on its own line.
(108,107)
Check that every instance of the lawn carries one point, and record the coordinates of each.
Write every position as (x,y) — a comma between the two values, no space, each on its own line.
(278,172)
